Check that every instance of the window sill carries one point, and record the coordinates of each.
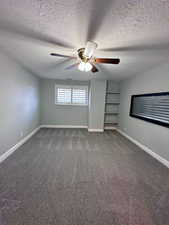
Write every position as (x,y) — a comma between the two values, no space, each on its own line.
(59,104)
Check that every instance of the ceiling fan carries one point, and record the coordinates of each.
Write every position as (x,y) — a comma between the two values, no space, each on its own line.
(86,60)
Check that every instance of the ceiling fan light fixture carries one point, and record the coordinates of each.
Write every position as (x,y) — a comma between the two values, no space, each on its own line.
(85,66)
(85,59)
(81,66)
(88,67)
(89,49)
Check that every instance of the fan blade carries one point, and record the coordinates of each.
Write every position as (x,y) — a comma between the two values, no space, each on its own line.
(60,55)
(72,66)
(94,69)
(107,61)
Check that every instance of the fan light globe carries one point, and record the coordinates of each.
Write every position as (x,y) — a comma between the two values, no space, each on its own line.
(81,66)
(88,67)
(85,66)
(90,48)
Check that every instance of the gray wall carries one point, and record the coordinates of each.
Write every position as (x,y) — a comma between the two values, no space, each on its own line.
(153,136)
(97,104)
(52,114)
(19,103)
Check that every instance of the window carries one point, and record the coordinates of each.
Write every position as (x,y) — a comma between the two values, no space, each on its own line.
(71,95)
(153,108)
(63,95)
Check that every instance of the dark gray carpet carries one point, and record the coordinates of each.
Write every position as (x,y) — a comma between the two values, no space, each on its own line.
(72,177)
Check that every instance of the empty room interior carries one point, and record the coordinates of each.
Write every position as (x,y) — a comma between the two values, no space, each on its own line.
(84,112)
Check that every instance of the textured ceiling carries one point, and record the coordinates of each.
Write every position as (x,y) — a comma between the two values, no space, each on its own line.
(137,31)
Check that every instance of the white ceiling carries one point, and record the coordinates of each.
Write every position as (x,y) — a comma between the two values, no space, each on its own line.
(136,31)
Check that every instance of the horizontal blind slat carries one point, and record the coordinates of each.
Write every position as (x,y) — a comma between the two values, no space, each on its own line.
(153,107)
(79,96)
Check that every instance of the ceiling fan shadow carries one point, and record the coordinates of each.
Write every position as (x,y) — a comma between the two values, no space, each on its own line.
(56,65)
(141,47)
(32,35)
(97,16)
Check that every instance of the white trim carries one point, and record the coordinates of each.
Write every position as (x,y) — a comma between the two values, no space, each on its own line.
(110,128)
(71,126)
(95,130)
(67,104)
(19,144)
(62,126)
(146,149)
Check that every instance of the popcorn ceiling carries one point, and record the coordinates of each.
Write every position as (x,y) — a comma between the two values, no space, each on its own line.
(113,24)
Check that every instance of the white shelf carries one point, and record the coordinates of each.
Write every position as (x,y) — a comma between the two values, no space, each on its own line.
(110,124)
(113,103)
(113,93)
(111,113)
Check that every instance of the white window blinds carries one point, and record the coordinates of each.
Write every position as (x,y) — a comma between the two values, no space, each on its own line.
(74,95)
(64,95)
(79,96)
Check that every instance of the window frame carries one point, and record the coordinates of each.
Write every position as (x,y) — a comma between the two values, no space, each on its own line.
(151,120)
(85,87)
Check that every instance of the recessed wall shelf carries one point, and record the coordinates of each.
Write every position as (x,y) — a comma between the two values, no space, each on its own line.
(112,93)
(111,105)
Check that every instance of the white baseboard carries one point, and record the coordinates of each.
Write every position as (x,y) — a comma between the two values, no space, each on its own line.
(110,128)
(19,144)
(95,130)
(62,126)
(71,126)
(146,149)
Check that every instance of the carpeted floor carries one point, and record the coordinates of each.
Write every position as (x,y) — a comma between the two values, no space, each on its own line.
(72,177)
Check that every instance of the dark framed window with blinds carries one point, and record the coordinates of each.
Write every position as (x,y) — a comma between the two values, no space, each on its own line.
(152,107)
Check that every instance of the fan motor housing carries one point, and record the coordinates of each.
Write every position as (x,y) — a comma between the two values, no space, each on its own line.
(82,56)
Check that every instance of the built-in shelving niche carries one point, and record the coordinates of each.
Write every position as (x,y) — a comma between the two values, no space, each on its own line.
(112,103)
